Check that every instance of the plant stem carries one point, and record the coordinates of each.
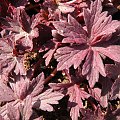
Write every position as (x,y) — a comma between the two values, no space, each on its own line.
(51,76)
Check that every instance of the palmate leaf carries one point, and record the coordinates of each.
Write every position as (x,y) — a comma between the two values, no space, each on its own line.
(9,59)
(44,100)
(75,101)
(25,95)
(89,45)
(22,27)
(76,97)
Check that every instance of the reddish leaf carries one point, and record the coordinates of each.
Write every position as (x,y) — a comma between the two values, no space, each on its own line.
(45,99)
(39,85)
(27,109)
(115,90)
(75,100)
(93,115)
(6,94)
(13,113)
(50,54)
(92,67)
(9,59)
(66,56)
(105,93)
(112,115)
(23,28)
(88,45)
(112,52)
(112,70)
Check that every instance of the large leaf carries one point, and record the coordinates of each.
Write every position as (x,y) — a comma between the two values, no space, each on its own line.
(90,45)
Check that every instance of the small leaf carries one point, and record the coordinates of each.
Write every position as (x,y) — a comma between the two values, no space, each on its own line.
(46,99)
(12,112)
(6,94)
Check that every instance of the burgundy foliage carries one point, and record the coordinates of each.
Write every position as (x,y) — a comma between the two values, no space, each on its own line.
(59,57)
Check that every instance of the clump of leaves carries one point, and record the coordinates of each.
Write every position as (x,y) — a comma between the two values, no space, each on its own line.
(25,95)
(53,50)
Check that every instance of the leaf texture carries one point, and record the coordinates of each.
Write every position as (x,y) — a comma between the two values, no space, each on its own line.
(46,99)
(88,44)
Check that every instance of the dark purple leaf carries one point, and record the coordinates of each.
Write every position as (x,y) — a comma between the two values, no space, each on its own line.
(93,115)
(105,92)
(112,115)
(112,70)
(115,90)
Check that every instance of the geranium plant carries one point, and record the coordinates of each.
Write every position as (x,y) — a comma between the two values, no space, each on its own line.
(59,59)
